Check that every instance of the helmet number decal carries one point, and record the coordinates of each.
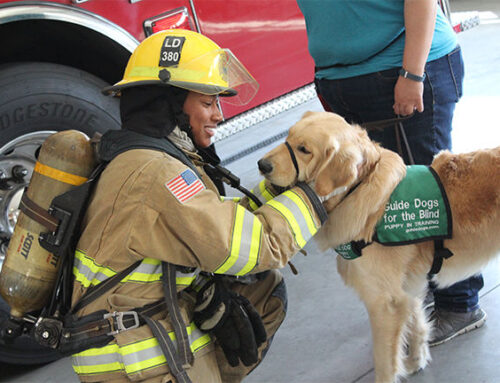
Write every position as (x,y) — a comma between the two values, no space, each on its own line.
(171,50)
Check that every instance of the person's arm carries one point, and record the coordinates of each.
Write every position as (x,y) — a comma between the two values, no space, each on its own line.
(179,220)
(420,18)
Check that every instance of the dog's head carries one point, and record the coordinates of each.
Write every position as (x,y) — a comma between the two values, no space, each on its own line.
(329,152)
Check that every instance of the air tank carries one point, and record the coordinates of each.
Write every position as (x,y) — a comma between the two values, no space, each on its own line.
(28,275)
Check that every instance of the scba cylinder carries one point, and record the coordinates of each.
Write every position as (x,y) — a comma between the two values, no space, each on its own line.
(28,275)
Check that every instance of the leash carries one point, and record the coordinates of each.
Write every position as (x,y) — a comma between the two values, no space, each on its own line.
(399,131)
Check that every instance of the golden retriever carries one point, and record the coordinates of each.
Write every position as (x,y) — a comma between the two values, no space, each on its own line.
(356,177)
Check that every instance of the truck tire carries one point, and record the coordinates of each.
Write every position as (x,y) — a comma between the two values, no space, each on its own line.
(37,99)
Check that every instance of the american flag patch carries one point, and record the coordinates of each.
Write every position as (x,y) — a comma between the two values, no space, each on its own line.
(185,185)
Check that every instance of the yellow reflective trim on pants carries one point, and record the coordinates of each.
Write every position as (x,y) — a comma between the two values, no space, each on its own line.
(58,175)
(88,362)
(99,369)
(109,350)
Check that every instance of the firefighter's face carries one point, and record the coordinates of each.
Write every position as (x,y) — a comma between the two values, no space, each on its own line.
(204,115)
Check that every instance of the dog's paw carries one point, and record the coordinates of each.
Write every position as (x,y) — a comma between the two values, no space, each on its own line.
(417,361)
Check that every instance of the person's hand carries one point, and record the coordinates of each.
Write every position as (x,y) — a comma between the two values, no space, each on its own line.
(233,320)
(408,97)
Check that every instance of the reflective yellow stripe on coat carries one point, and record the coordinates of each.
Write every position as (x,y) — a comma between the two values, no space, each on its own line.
(300,219)
(245,244)
(134,357)
(90,273)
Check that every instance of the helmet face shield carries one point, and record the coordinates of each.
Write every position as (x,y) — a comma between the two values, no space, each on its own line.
(191,61)
(217,72)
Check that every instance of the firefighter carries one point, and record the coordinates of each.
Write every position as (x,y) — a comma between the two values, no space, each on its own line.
(213,261)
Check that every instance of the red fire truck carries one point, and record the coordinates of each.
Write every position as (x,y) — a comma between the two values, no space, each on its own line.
(57,55)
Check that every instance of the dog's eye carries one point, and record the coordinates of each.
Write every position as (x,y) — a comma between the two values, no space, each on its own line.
(303,149)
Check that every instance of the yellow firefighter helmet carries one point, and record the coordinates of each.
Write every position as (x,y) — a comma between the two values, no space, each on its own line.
(187,60)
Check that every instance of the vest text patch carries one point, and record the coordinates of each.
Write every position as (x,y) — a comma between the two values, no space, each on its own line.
(418,210)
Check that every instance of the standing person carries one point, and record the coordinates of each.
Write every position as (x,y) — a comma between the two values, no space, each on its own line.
(378,59)
(156,221)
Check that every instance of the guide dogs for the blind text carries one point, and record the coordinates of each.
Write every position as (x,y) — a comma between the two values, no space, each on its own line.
(357,177)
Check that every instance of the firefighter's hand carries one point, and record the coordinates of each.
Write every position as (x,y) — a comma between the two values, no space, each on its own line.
(233,320)
(408,97)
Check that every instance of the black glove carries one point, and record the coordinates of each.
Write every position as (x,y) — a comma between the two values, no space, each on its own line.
(233,320)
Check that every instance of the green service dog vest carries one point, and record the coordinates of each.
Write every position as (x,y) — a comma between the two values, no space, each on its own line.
(418,210)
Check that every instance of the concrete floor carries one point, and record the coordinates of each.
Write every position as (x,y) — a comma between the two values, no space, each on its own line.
(326,336)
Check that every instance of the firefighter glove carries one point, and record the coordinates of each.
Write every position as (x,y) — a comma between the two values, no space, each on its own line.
(233,320)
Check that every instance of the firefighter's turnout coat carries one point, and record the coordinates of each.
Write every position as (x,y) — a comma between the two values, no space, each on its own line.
(151,207)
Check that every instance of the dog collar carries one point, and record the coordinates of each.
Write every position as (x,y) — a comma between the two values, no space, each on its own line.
(335,192)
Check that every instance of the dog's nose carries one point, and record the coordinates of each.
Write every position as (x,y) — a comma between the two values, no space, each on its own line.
(265,166)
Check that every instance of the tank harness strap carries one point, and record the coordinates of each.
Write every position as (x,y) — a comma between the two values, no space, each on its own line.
(168,348)
(170,293)
(97,329)
(115,142)
(38,213)
(95,292)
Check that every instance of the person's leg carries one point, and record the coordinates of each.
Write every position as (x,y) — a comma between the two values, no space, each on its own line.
(456,308)
(461,297)
(269,298)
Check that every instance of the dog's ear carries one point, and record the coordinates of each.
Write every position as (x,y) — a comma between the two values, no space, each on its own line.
(307,114)
(356,217)
(339,170)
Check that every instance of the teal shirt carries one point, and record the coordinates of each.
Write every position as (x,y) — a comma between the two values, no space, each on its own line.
(365,36)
